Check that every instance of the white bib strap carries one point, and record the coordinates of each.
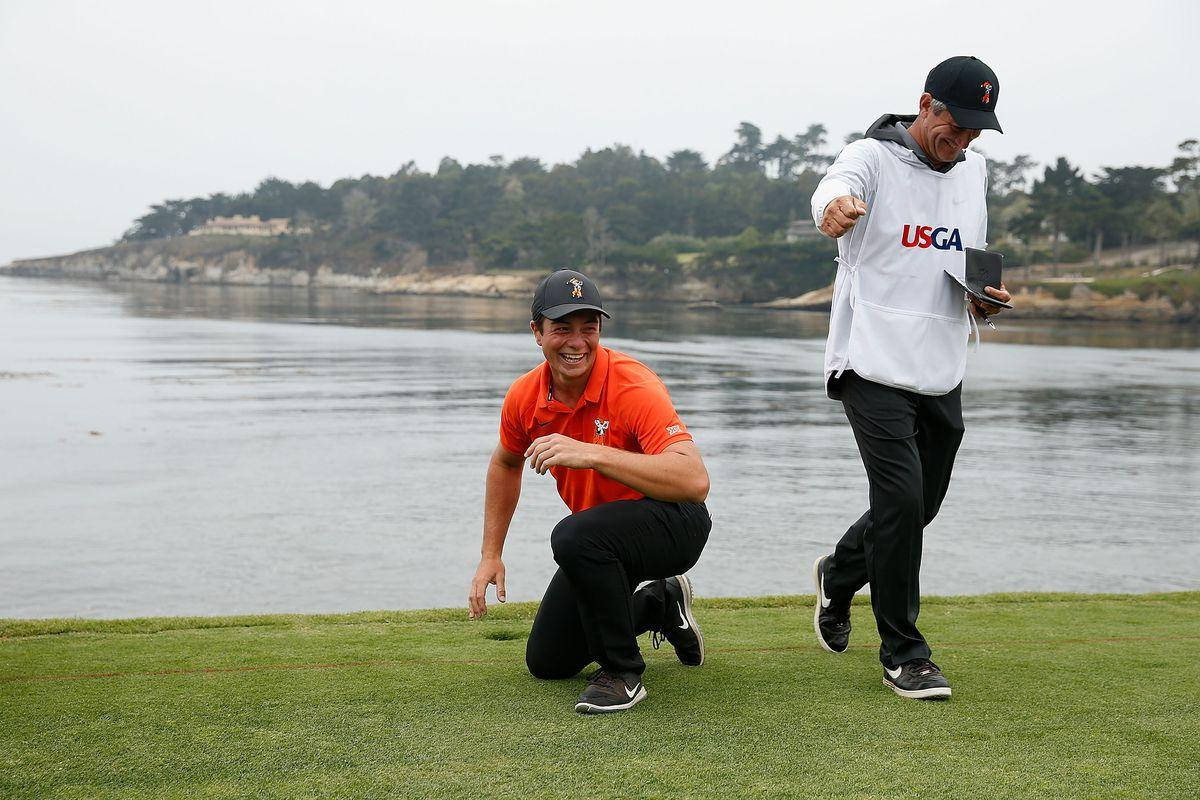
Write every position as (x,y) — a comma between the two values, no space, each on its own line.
(852,272)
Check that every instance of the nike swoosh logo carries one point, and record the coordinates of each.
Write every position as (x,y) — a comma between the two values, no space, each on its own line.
(633,691)
(682,618)
(821,598)
(547,422)
(892,673)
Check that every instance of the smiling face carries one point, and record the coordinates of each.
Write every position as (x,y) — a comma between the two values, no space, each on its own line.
(569,345)
(938,134)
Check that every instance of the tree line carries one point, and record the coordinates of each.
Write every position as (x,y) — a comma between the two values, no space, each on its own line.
(614,206)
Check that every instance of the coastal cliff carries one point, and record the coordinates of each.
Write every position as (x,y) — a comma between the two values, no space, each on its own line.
(241,268)
(1170,298)
(232,263)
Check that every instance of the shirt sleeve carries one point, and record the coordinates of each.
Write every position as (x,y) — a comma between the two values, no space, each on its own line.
(853,172)
(652,417)
(514,437)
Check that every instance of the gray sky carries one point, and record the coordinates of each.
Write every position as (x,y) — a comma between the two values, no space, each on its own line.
(108,107)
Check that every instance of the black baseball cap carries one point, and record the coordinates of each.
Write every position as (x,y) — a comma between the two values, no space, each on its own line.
(563,292)
(969,89)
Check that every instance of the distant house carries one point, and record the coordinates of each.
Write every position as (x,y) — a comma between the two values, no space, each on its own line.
(802,228)
(237,225)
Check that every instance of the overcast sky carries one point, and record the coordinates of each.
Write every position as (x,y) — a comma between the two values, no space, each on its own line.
(108,107)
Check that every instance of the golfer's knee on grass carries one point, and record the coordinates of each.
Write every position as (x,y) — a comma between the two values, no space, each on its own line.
(544,668)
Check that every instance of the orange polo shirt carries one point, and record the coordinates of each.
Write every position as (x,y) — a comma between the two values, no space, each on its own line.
(625,405)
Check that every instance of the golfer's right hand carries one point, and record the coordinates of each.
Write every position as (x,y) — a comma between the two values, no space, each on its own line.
(841,214)
(491,570)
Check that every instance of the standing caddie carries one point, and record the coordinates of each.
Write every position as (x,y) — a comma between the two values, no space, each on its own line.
(603,425)
(903,204)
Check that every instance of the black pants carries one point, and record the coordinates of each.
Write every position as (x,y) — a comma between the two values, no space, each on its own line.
(907,442)
(588,613)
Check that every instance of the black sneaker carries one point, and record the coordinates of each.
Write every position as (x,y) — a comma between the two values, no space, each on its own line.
(610,691)
(919,679)
(831,620)
(679,626)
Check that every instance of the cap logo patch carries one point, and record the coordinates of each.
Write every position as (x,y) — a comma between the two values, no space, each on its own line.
(577,285)
(987,91)
(601,427)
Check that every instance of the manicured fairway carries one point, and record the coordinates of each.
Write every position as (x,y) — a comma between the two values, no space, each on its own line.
(1055,696)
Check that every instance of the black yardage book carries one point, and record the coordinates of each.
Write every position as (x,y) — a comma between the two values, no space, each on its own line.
(983,269)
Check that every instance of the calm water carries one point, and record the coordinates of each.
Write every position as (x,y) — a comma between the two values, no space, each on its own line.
(178,450)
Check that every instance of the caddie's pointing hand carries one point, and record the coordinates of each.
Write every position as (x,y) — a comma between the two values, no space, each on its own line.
(841,214)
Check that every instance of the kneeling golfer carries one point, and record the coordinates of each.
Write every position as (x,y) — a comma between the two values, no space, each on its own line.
(603,425)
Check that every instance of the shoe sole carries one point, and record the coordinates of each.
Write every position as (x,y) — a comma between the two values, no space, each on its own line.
(936,693)
(685,583)
(817,611)
(590,708)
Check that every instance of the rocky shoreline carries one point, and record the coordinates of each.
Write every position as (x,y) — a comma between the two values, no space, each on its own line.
(1038,303)
(1085,304)
(239,268)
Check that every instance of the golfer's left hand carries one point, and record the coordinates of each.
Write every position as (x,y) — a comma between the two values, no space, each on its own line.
(557,450)
(983,311)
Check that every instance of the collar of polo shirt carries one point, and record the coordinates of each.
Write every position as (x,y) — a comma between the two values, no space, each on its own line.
(595,384)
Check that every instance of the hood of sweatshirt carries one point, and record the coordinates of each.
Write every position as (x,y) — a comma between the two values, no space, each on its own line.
(894,128)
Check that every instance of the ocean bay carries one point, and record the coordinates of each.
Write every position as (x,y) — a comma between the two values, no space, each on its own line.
(203,450)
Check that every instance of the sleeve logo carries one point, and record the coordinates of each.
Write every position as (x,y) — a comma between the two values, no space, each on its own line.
(673,429)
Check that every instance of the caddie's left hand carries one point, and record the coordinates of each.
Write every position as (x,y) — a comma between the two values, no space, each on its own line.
(982,310)
(556,450)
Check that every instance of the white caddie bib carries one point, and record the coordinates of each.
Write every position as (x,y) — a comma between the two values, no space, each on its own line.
(910,325)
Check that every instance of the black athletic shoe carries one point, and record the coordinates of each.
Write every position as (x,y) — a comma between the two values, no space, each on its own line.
(831,620)
(610,691)
(679,626)
(919,679)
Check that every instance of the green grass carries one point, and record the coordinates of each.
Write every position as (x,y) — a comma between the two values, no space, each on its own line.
(1181,286)
(1055,696)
